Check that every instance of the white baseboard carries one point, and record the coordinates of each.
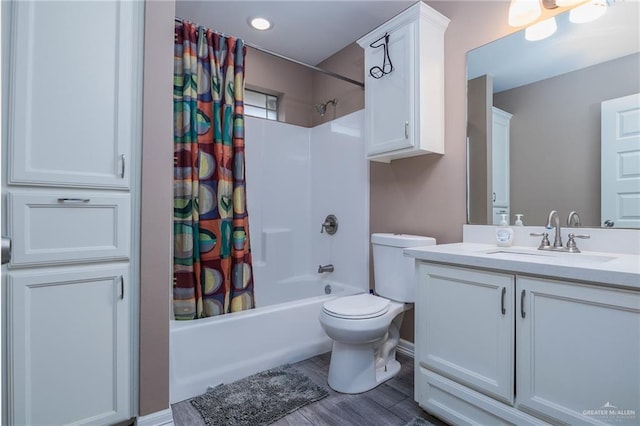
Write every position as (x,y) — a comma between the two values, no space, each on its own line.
(406,347)
(159,418)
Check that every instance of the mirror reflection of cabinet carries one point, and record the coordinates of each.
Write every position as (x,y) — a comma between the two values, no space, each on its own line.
(500,164)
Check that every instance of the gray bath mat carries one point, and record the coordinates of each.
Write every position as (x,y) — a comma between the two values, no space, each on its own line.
(419,421)
(260,399)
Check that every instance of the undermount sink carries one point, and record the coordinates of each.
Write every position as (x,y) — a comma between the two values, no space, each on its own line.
(524,253)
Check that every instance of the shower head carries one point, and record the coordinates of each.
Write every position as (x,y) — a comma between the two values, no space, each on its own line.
(322,108)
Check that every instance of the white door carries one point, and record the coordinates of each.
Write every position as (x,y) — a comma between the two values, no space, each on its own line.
(464,329)
(578,352)
(620,169)
(71,97)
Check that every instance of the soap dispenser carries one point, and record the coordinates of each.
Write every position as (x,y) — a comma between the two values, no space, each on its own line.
(518,221)
(504,234)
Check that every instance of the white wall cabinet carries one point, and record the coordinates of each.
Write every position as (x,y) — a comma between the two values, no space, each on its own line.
(576,354)
(500,161)
(72,71)
(404,109)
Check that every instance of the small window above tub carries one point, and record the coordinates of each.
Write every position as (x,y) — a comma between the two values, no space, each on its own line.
(259,104)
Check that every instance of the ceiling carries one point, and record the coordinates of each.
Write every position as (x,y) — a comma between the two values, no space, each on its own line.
(305,30)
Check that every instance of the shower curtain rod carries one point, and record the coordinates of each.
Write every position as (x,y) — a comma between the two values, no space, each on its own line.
(295,61)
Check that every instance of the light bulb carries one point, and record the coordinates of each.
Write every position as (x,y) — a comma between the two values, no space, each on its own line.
(523,12)
(588,12)
(567,3)
(541,30)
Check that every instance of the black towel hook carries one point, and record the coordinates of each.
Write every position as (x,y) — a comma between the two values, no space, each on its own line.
(386,68)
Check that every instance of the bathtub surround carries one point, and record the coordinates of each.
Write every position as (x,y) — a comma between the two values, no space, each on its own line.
(259,399)
(313,172)
(298,168)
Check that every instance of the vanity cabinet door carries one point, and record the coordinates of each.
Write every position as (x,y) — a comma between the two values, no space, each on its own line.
(465,327)
(578,352)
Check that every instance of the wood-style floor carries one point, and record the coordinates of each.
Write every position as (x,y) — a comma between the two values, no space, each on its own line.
(387,405)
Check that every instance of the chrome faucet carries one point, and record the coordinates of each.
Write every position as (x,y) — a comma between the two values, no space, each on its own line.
(325,268)
(573,219)
(554,222)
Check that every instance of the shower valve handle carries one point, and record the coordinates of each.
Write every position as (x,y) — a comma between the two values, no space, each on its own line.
(330,225)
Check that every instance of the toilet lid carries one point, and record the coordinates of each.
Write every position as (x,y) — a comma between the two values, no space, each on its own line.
(360,306)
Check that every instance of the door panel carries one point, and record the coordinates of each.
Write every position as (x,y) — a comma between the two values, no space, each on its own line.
(390,98)
(578,352)
(68,345)
(72,110)
(620,141)
(463,331)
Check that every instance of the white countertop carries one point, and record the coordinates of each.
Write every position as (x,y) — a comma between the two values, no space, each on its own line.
(595,267)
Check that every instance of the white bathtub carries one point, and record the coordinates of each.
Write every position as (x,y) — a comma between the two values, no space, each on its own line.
(282,329)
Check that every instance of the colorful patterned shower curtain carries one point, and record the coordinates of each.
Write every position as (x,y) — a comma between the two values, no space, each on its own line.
(212,256)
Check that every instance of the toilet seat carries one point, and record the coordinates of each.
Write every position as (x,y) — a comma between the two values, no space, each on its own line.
(360,306)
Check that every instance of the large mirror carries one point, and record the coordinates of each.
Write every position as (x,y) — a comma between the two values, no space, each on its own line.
(535,138)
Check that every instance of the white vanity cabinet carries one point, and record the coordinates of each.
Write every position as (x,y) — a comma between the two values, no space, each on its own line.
(404,108)
(549,351)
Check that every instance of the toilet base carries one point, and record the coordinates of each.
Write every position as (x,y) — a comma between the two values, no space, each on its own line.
(353,368)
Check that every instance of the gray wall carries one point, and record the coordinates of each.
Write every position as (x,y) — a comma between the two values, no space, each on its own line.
(480,134)
(555,139)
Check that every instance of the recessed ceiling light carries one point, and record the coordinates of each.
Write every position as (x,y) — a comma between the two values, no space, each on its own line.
(261,24)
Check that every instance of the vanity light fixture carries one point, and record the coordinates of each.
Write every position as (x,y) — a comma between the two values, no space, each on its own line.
(588,12)
(567,3)
(258,23)
(523,12)
(541,30)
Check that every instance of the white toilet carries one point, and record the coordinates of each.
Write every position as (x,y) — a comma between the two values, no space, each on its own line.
(365,328)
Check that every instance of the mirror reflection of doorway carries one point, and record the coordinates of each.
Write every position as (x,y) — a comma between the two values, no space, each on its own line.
(620,162)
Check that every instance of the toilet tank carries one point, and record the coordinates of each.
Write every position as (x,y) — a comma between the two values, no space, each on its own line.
(394,273)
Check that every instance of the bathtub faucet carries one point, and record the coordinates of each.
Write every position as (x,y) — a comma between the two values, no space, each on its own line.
(325,268)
